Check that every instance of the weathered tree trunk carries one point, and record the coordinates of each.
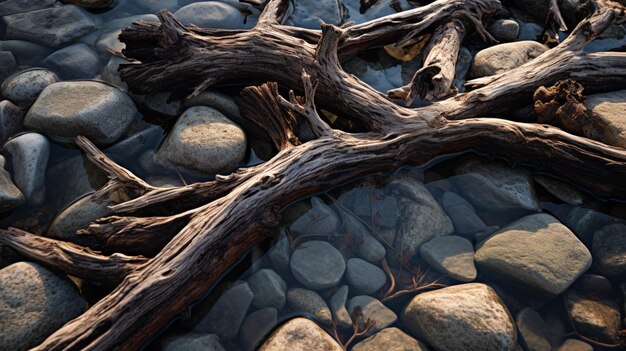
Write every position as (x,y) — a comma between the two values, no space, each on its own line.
(217,222)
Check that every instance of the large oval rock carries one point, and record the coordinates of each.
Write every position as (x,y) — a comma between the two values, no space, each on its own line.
(317,265)
(24,87)
(203,140)
(501,58)
(96,110)
(536,253)
(461,317)
(77,61)
(34,303)
(300,334)
(11,119)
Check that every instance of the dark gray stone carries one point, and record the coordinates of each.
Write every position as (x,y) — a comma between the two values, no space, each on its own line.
(76,61)
(321,219)
(341,316)
(10,7)
(7,63)
(317,265)
(462,214)
(228,312)
(10,196)
(56,26)
(11,119)
(256,326)
(269,289)
(368,247)
(364,277)
(29,154)
(532,330)
(504,30)
(609,251)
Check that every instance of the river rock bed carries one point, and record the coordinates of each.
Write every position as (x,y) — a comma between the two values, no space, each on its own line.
(466,254)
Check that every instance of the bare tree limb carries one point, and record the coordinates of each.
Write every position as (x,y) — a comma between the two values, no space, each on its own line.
(71,258)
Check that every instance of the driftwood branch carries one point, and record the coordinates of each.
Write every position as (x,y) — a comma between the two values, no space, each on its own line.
(71,258)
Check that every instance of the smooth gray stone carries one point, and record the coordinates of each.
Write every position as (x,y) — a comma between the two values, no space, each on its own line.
(317,265)
(364,277)
(341,316)
(300,334)
(536,253)
(420,217)
(461,317)
(496,188)
(390,339)
(76,61)
(561,190)
(609,251)
(34,303)
(452,256)
(212,14)
(532,330)
(504,30)
(321,219)
(256,326)
(30,153)
(462,214)
(203,141)
(269,289)
(368,247)
(11,119)
(584,222)
(24,87)
(308,301)
(96,110)
(598,319)
(373,309)
(7,63)
(55,27)
(280,254)
(10,195)
(10,7)
(228,312)
(154,6)
(25,52)
(147,138)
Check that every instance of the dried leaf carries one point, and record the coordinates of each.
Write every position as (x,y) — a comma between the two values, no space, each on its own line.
(409,50)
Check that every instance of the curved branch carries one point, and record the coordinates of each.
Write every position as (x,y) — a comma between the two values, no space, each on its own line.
(274,12)
(71,258)
(121,181)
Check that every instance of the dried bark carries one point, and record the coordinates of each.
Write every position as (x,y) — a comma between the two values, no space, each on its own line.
(221,220)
